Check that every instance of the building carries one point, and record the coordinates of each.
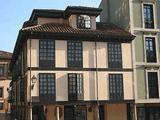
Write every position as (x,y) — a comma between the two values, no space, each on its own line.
(141,18)
(5,79)
(65,66)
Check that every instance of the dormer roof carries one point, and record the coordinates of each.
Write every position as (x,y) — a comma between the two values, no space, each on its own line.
(46,13)
(82,10)
(54,13)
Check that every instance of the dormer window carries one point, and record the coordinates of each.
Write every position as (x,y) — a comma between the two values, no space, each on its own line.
(84,22)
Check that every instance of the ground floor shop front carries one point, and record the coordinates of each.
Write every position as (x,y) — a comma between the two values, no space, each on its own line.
(148,111)
(83,112)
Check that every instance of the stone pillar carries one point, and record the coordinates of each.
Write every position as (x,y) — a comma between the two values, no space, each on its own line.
(135,112)
(30,113)
(96,112)
(57,112)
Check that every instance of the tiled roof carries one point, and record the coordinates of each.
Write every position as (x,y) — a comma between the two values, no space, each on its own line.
(103,30)
(5,55)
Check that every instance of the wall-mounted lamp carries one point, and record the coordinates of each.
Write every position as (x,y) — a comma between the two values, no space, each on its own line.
(34,79)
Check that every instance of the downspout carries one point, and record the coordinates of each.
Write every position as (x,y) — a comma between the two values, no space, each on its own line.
(30,79)
(97,80)
(133,58)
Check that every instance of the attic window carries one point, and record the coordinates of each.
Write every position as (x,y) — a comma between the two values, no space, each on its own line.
(84,21)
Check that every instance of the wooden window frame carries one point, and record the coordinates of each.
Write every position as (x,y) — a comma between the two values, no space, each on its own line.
(75,54)
(114,55)
(75,86)
(47,85)
(116,89)
(46,53)
(84,22)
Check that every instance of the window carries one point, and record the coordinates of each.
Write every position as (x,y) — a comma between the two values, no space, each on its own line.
(75,54)
(75,86)
(148,16)
(116,86)
(1,92)
(1,106)
(141,113)
(47,84)
(153,85)
(22,87)
(148,113)
(46,53)
(150,49)
(1,70)
(75,113)
(83,21)
(114,55)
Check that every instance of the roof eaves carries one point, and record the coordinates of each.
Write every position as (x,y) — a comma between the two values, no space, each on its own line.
(17,46)
(46,13)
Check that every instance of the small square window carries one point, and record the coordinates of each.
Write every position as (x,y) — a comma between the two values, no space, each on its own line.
(84,21)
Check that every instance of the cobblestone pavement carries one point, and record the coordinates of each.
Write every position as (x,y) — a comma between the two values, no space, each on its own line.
(4,117)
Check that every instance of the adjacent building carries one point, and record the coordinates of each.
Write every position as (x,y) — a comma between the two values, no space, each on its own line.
(5,79)
(66,66)
(141,18)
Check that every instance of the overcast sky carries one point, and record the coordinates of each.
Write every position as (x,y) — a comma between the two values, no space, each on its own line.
(14,12)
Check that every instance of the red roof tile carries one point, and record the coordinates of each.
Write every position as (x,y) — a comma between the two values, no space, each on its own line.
(103,29)
(5,55)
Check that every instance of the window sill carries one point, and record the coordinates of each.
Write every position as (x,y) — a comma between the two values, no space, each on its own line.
(146,30)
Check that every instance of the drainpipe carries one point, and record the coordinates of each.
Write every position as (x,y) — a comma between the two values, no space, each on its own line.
(97,81)
(133,60)
(30,80)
